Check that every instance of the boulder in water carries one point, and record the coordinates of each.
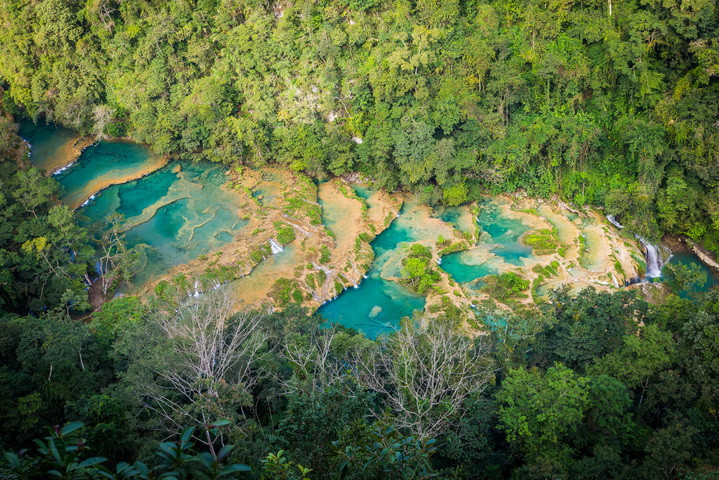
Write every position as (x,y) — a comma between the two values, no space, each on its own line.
(177,168)
(376,310)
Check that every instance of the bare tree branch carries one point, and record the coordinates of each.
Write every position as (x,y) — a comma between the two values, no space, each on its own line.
(426,374)
(209,362)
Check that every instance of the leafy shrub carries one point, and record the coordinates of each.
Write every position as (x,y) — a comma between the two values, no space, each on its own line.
(417,272)
(457,194)
(324,254)
(115,129)
(543,242)
(285,233)
(457,247)
(61,455)
(285,291)
(505,286)
(547,270)
(443,242)
(365,237)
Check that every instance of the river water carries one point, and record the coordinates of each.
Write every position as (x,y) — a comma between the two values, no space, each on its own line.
(178,212)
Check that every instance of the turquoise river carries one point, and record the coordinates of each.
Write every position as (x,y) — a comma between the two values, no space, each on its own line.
(178,212)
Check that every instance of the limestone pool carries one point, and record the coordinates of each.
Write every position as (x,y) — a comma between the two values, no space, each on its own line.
(178,212)
(104,164)
(377,304)
(499,241)
(690,259)
(171,216)
(50,145)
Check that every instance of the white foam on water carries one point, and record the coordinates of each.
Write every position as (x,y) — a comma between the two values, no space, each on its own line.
(89,199)
(276,247)
(654,259)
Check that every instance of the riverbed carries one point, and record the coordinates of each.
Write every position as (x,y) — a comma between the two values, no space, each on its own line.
(345,255)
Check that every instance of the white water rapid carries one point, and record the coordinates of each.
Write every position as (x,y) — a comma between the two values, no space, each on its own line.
(276,247)
(653,255)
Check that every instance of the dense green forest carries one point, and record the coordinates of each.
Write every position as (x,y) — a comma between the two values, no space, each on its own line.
(593,386)
(607,103)
(611,103)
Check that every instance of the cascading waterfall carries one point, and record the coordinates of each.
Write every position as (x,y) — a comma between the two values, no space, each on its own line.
(614,221)
(276,247)
(654,259)
(89,199)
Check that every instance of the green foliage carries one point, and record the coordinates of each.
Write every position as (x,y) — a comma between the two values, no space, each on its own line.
(285,233)
(328,391)
(609,107)
(578,330)
(276,467)
(114,316)
(382,451)
(284,291)
(321,277)
(60,455)
(36,271)
(297,295)
(543,242)
(618,268)
(261,252)
(639,357)
(417,271)
(547,271)
(457,247)
(313,420)
(539,411)
(324,254)
(699,350)
(505,286)
(298,205)
(115,129)
(456,194)
(442,97)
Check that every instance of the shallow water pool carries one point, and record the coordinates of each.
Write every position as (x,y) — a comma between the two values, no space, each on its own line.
(505,233)
(171,217)
(363,191)
(461,267)
(688,259)
(499,244)
(102,165)
(377,305)
(49,144)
